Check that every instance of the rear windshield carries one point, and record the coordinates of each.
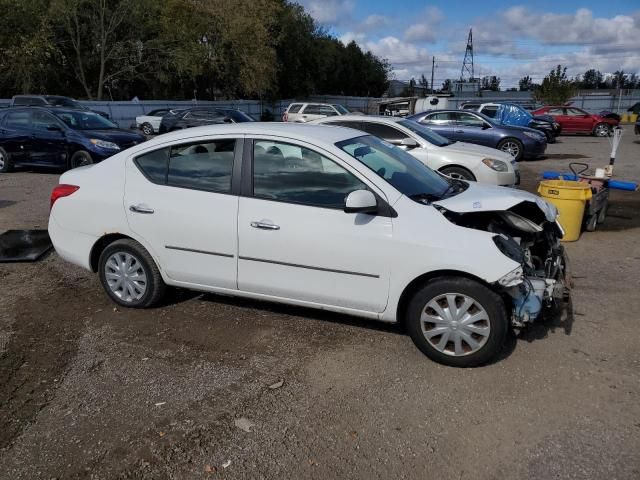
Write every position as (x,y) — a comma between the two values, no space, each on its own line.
(238,116)
(294,108)
(64,102)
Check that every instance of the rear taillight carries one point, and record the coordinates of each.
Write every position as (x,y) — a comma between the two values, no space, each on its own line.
(62,190)
(285,117)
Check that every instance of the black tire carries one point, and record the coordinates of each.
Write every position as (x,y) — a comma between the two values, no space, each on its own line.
(602,130)
(510,145)
(79,159)
(602,214)
(154,286)
(458,172)
(6,165)
(146,128)
(490,301)
(591,222)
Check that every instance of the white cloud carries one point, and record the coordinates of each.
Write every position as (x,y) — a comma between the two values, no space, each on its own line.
(326,12)
(425,29)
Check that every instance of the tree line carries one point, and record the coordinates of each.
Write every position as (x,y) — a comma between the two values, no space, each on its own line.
(177,49)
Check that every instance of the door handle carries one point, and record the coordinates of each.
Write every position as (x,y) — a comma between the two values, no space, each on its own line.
(459,131)
(141,209)
(265,226)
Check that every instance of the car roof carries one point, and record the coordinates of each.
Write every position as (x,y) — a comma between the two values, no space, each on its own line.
(359,118)
(297,131)
(49,109)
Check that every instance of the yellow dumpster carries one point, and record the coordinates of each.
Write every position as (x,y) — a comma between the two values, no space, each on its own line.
(624,118)
(570,199)
(633,117)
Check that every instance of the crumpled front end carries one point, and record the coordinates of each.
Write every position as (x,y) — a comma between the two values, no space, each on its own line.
(529,234)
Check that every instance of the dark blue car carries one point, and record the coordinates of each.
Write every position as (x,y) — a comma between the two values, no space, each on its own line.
(58,137)
(473,127)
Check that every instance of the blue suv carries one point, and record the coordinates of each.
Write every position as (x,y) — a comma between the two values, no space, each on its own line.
(59,137)
(474,127)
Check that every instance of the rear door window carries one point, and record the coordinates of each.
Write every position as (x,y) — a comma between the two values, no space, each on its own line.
(43,120)
(294,108)
(202,166)
(20,120)
(468,120)
(154,165)
(440,118)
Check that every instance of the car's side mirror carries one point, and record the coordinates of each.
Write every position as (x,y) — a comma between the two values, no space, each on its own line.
(227,120)
(485,126)
(409,143)
(361,201)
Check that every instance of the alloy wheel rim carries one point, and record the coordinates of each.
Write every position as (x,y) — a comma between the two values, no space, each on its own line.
(455,324)
(2,160)
(456,176)
(83,162)
(602,131)
(511,148)
(146,130)
(125,276)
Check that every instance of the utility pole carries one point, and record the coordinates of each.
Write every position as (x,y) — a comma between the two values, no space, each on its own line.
(433,67)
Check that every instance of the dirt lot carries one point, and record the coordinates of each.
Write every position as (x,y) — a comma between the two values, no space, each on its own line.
(92,391)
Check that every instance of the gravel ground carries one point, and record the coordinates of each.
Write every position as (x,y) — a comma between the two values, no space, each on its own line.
(92,391)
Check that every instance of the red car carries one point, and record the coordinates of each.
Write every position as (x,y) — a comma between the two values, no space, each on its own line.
(576,120)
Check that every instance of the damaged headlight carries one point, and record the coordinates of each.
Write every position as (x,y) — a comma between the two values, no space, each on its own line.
(509,247)
(497,165)
(519,222)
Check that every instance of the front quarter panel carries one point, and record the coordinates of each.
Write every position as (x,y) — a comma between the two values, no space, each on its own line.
(426,242)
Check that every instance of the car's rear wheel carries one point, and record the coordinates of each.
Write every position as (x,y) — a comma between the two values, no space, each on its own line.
(80,159)
(457,321)
(513,147)
(459,173)
(602,130)
(129,275)
(5,161)
(147,129)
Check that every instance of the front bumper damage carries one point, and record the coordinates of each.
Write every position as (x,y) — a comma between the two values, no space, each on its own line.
(529,234)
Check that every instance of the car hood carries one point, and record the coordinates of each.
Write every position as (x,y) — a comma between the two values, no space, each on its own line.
(519,130)
(117,136)
(478,150)
(489,198)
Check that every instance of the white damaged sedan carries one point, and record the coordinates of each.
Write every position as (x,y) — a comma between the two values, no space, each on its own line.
(464,161)
(328,218)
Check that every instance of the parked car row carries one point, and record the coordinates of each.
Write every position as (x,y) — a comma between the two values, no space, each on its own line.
(318,216)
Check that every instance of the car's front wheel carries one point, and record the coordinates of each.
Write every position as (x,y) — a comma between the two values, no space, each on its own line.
(459,173)
(602,130)
(80,159)
(457,321)
(5,161)
(513,147)
(129,275)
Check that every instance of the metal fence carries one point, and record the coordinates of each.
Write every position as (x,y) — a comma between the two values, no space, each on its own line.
(124,113)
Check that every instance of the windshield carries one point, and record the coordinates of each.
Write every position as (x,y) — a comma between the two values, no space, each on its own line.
(85,121)
(65,102)
(424,132)
(239,116)
(406,173)
(341,109)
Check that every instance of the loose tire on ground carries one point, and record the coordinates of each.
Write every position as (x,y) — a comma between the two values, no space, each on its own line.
(459,173)
(486,314)
(138,294)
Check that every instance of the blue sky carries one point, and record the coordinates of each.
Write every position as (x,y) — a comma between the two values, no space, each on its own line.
(511,39)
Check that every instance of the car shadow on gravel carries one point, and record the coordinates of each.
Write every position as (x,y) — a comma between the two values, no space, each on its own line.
(557,318)
(310,313)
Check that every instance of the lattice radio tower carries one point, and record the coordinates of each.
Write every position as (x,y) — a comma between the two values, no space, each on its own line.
(467,64)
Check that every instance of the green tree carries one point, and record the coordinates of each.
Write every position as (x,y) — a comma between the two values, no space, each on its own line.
(592,78)
(424,85)
(525,84)
(556,88)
